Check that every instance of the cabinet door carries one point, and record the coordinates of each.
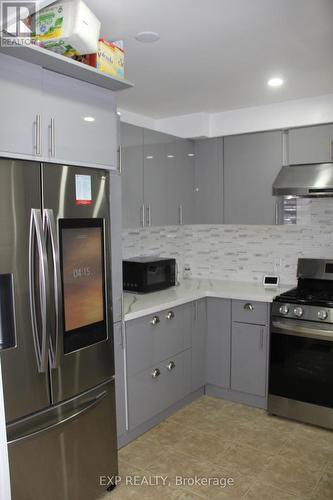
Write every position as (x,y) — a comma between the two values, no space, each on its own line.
(208,184)
(184,181)
(81,122)
(251,164)
(218,342)
(159,158)
(131,139)
(21,103)
(311,144)
(199,340)
(249,358)
(120,379)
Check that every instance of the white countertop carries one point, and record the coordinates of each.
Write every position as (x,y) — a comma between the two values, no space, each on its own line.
(137,305)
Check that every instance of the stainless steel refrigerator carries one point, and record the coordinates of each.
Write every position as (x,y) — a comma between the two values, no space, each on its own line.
(56,330)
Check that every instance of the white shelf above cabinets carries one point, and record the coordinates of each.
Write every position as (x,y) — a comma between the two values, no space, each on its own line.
(66,66)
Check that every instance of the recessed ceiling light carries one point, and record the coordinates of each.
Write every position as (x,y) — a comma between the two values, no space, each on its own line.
(118,113)
(147,37)
(89,119)
(190,154)
(275,81)
(171,156)
(149,157)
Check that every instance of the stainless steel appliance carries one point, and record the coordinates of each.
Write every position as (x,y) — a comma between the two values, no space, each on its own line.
(301,347)
(148,274)
(56,333)
(305,180)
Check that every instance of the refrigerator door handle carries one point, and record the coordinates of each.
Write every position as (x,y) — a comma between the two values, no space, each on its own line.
(40,332)
(87,406)
(50,231)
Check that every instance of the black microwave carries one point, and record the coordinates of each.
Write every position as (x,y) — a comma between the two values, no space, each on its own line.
(148,274)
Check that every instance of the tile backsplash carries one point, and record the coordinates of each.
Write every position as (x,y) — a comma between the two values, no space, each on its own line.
(241,253)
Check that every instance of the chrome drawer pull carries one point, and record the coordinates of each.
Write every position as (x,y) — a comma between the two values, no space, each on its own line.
(171,366)
(155,320)
(248,307)
(170,315)
(155,373)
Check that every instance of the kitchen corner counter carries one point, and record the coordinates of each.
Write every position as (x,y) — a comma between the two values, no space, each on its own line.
(138,305)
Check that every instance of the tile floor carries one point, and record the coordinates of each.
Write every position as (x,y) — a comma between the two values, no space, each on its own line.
(262,457)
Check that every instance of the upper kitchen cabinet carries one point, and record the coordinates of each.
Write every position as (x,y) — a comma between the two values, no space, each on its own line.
(80,122)
(311,144)
(21,106)
(208,203)
(133,209)
(251,164)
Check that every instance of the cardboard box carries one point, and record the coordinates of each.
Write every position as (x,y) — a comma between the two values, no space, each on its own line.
(109,58)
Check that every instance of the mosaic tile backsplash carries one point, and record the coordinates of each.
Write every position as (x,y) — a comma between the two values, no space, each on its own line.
(241,253)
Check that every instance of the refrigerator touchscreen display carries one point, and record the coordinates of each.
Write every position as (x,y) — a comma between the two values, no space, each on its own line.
(82,259)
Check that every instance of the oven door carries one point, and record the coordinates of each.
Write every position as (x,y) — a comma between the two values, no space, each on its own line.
(301,360)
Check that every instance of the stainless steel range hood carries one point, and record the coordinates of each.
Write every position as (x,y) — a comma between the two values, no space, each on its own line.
(305,180)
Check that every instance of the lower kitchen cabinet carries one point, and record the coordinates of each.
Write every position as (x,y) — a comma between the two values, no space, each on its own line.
(249,348)
(218,342)
(157,388)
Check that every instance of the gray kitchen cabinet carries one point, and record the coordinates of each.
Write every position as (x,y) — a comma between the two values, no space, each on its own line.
(251,164)
(158,387)
(116,246)
(311,144)
(156,337)
(249,358)
(158,178)
(249,311)
(208,183)
(80,122)
(133,211)
(199,340)
(120,377)
(159,195)
(218,342)
(21,107)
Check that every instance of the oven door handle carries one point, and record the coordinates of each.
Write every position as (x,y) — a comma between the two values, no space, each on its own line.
(288,328)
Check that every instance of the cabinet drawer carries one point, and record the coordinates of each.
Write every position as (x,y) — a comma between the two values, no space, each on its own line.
(153,338)
(149,395)
(248,311)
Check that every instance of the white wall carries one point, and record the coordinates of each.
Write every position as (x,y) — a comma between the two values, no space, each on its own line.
(293,113)
(4,467)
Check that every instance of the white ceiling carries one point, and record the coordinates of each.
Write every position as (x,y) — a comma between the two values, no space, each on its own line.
(216,55)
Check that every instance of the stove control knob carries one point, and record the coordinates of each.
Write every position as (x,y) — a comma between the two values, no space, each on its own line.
(284,310)
(298,311)
(322,314)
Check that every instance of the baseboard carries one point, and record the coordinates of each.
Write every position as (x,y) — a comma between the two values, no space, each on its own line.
(124,439)
(238,397)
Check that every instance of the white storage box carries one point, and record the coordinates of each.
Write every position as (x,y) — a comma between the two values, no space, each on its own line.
(68,27)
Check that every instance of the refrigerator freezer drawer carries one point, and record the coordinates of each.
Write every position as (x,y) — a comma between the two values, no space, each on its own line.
(60,454)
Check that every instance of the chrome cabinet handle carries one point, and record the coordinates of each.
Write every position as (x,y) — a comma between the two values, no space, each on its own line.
(180,209)
(155,320)
(248,307)
(50,232)
(52,138)
(171,366)
(156,373)
(120,158)
(170,315)
(40,331)
(38,148)
(148,215)
(142,215)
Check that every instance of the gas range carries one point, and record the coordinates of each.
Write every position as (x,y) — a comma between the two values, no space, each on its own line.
(312,299)
(301,347)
